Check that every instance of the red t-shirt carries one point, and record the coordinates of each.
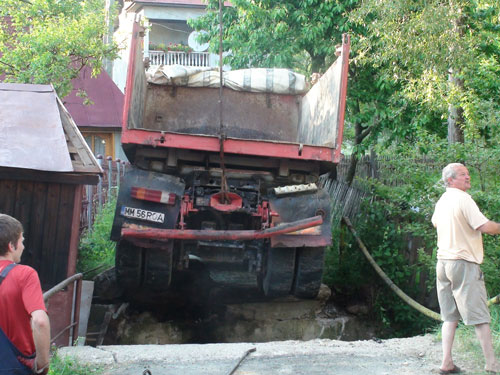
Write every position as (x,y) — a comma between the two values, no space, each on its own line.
(20,295)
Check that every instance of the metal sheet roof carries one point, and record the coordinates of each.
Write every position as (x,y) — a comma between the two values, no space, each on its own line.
(107,101)
(38,133)
(31,134)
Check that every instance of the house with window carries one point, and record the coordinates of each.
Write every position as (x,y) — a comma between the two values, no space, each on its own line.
(96,105)
(168,38)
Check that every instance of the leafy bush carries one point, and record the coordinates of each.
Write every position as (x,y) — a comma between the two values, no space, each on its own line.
(96,249)
(346,270)
(395,225)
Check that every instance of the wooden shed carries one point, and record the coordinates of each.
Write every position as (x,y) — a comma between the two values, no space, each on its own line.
(44,165)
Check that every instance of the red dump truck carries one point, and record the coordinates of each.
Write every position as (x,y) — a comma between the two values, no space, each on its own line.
(227,177)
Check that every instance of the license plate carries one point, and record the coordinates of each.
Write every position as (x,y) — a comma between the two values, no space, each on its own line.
(138,213)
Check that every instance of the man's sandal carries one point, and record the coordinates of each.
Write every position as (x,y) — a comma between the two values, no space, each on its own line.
(454,370)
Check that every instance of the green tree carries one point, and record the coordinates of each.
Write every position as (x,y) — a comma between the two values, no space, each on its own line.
(50,41)
(299,35)
(414,64)
(444,54)
(303,35)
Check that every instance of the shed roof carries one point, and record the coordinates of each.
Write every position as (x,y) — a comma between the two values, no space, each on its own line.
(107,101)
(38,133)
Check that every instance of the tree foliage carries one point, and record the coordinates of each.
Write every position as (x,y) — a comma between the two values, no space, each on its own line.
(300,35)
(50,41)
(401,58)
(303,35)
(420,44)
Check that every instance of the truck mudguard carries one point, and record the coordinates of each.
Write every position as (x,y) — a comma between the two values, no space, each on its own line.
(298,206)
(148,199)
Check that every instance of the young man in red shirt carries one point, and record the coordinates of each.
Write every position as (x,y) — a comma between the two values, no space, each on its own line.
(24,323)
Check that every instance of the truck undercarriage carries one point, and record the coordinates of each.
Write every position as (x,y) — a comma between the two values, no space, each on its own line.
(258,231)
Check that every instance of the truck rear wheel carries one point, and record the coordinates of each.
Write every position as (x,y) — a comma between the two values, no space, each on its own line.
(278,276)
(309,271)
(158,268)
(128,265)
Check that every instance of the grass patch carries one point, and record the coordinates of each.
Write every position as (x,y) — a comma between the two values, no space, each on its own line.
(70,366)
(467,344)
(96,249)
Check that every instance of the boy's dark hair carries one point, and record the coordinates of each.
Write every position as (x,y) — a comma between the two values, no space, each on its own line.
(10,231)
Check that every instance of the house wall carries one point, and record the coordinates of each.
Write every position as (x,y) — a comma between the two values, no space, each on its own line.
(122,37)
(50,214)
(119,150)
(123,34)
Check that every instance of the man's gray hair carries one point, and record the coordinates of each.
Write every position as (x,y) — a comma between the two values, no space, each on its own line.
(449,172)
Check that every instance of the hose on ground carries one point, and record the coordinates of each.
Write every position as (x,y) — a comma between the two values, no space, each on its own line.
(242,359)
(417,306)
(494,301)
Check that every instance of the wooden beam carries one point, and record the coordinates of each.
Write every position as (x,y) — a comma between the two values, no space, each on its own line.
(43,176)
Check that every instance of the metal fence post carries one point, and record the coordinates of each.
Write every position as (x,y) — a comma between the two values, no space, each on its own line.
(99,185)
(118,175)
(89,207)
(110,175)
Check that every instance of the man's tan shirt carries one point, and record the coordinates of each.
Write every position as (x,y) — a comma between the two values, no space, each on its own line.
(456,218)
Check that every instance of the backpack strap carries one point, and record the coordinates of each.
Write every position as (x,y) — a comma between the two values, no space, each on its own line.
(6,271)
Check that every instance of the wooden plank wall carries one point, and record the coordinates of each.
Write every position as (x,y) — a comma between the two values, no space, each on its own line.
(346,200)
(47,212)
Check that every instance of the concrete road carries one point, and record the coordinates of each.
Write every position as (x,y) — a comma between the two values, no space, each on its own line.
(412,356)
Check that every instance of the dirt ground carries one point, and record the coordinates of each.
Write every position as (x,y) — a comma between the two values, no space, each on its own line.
(409,356)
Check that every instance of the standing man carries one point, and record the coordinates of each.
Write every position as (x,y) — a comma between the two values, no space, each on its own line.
(460,283)
(24,324)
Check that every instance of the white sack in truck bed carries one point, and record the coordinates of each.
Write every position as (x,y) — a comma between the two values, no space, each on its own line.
(275,80)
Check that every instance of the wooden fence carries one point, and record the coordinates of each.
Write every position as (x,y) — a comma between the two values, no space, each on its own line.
(383,168)
(346,199)
(95,196)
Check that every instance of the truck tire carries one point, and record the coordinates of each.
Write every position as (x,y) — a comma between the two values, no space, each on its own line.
(158,268)
(278,276)
(308,272)
(128,265)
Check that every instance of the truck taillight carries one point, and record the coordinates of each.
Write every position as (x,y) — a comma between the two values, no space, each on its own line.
(152,195)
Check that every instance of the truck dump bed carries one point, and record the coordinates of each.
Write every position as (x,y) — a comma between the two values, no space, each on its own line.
(265,124)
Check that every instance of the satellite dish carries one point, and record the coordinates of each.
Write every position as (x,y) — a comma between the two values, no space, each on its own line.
(193,43)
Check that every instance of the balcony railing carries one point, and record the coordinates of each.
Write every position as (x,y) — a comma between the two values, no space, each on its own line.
(181,58)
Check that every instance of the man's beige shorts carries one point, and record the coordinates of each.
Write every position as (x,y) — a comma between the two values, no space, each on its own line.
(461,292)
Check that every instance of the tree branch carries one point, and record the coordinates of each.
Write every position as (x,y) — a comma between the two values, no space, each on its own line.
(10,66)
(365,133)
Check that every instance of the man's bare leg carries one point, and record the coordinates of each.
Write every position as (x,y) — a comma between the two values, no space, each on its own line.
(483,333)
(448,335)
